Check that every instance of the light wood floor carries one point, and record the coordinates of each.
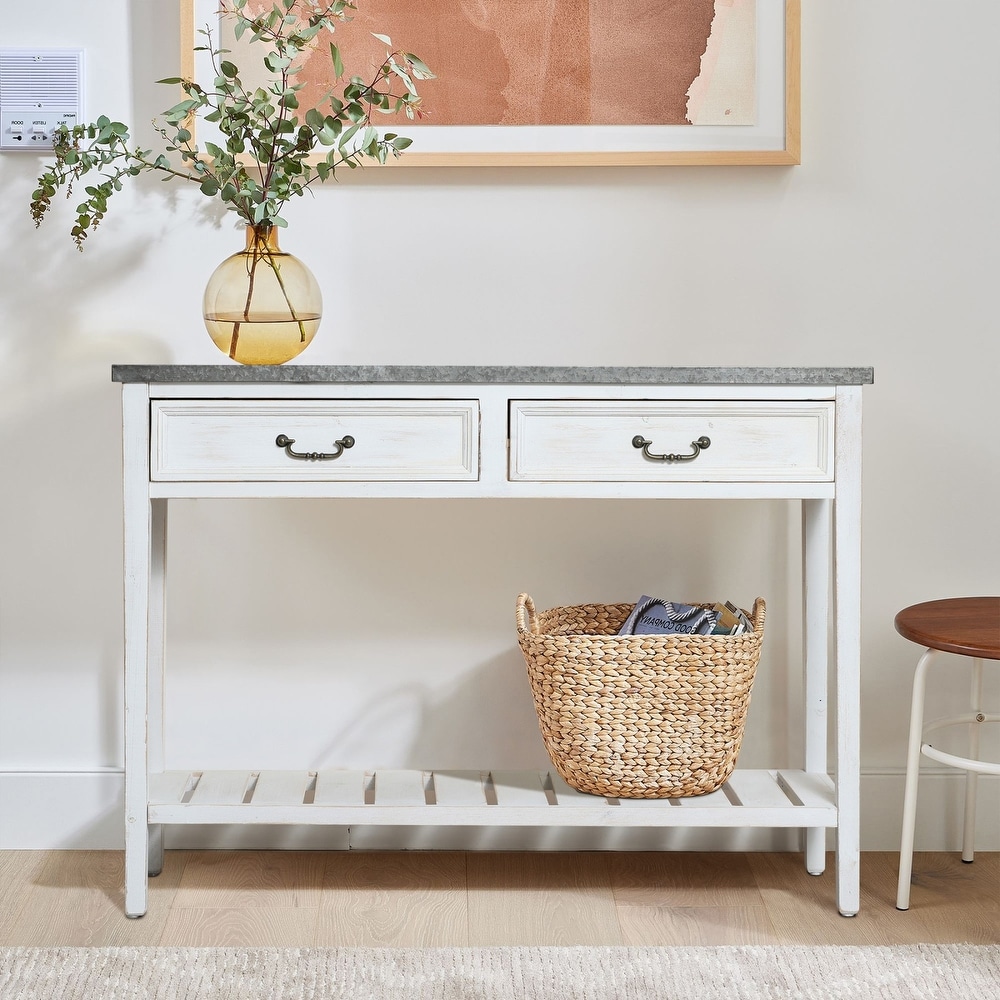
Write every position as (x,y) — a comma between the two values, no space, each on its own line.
(290,899)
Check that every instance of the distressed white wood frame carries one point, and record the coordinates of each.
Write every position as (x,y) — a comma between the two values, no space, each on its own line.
(819,796)
(774,140)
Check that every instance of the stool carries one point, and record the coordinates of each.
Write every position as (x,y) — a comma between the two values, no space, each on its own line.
(969,626)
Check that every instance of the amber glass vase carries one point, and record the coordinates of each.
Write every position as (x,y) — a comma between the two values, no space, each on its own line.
(262,306)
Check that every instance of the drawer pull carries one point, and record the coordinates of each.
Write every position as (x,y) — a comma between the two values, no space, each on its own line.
(283,441)
(640,442)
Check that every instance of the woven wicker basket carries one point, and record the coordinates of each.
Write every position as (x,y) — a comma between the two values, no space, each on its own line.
(637,716)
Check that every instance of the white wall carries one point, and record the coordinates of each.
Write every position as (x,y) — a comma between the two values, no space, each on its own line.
(880,249)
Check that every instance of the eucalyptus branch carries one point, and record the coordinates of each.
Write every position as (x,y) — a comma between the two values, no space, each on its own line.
(220,97)
(261,129)
(109,155)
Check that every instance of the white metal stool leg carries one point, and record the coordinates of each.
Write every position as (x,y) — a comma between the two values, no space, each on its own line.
(912,777)
(971,777)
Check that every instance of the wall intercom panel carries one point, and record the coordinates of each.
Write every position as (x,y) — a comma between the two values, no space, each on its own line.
(40,89)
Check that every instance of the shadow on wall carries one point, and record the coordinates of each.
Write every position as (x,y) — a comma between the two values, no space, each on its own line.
(486,720)
(360,633)
(65,316)
(60,576)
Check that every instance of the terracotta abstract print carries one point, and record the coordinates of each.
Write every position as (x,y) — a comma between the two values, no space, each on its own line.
(561,62)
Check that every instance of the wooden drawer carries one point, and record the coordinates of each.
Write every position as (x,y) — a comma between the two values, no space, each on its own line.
(234,441)
(581,441)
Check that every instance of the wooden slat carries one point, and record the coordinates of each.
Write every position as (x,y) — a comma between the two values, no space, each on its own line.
(169,786)
(713,800)
(340,788)
(399,788)
(519,788)
(647,803)
(281,788)
(566,795)
(814,790)
(221,788)
(758,788)
(459,788)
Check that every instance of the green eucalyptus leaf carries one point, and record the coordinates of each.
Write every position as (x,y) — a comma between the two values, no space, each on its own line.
(398,71)
(276,63)
(349,135)
(418,67)
(338,62)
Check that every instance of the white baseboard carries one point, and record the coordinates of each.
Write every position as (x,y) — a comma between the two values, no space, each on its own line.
(50,810)
(84,811)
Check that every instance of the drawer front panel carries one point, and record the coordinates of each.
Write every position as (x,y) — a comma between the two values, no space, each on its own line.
(393,440)
(580,441)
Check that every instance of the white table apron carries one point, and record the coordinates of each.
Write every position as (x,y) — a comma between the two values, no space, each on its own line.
(501,433)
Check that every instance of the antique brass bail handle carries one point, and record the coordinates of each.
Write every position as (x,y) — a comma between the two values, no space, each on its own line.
(284,441)
(700,445)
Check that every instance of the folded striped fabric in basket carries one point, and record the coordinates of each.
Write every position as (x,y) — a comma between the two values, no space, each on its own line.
(652,616)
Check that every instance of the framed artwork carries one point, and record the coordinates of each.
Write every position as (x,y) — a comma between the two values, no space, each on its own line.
(573,82)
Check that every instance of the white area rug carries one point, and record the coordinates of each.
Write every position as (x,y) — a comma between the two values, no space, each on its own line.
(927,972)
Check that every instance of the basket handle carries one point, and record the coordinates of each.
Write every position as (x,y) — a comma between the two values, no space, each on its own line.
(527,621)
(758,614)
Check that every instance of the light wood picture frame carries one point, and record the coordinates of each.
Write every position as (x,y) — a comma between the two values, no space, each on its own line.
(773,140)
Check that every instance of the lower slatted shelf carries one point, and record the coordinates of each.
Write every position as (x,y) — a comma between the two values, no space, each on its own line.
(751,798)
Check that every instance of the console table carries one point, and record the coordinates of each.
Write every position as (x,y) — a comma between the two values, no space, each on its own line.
(664,433)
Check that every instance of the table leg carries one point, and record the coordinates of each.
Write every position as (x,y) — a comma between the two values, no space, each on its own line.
(138,534)
(847,602)
(154,664)
(817,533)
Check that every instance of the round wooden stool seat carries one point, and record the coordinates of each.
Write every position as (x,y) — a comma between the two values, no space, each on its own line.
(969,626)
